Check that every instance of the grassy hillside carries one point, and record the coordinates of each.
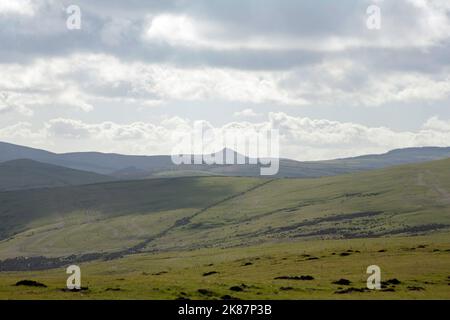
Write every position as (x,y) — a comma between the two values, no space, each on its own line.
(419,264)
(405,200)
(29,174)
(106,216)
(189,213)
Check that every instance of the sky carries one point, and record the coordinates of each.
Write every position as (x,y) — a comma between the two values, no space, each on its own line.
(135,72)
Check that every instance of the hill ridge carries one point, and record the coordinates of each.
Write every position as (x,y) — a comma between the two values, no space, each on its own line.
(139,166)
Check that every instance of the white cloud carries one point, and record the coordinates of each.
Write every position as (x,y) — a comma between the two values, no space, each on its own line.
(24,133)
(344,82)
(133,138)
(312,139)
(75,129)
(246,113)
(185,31)
(19,7)
(436,124)
(408,87)
(72,96)
(13,102)
(427,24)
(301,138)
(69,128)
(79,80)
(175,30)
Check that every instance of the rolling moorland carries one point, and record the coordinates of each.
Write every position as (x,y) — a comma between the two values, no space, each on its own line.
(232,237)
(139,167)
(411,268)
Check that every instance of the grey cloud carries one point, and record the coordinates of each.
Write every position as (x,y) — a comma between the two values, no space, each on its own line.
(25,38)
(303,69)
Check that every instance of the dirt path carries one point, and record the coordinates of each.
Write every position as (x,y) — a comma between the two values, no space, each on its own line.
(187,220)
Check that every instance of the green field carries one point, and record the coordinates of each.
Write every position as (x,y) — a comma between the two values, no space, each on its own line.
(192,225)
(421,264)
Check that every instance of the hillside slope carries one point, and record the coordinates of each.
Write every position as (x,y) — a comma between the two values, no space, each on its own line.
(185,213)
(29,174)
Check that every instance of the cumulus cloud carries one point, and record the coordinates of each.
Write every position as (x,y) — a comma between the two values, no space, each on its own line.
(246,113)
(79,80)
(24,133)
(75,80)
(19,7)
(436,124)
(75,129)
(337,27)
(301,138)
(13,102)
(72,96)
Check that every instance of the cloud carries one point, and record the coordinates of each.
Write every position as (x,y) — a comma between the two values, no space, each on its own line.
(134,138)
(175,30)
(78,81)
(436,124)
(289,26)
(301,138)
(17,7)
(246,113)
(216,33)
(24,133)
(313,139)
(13,102)
(72,96)
(76,129)
(69,128)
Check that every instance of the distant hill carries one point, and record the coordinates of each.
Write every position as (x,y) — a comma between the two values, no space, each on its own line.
(102,163)
(139,167)
(29,174)
(394,157)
